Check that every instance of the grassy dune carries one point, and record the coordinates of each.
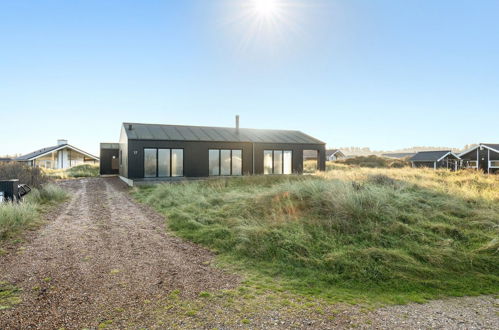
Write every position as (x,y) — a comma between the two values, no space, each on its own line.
(80,171)
(16,216)
(392,235)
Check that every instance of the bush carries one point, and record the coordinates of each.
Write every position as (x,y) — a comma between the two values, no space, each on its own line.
(32,176)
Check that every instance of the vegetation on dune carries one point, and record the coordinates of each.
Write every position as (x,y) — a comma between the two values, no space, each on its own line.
(374,162)
(32,176)
(390,234)
(16,216)
(80,171)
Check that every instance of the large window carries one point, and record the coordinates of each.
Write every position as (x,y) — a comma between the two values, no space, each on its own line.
(225,162)
(277,162)
(163,163)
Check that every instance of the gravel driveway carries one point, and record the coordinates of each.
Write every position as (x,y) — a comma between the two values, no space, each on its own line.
(102,254)
(104,260)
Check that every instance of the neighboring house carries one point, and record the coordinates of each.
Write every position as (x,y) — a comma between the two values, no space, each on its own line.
(399,155)
(163,152)
(485,157)
(334,154)
(436,159)
(60,156)
(5,160)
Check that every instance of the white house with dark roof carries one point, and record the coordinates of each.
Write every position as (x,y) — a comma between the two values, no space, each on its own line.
(484,156)
(436,159)
(60,156)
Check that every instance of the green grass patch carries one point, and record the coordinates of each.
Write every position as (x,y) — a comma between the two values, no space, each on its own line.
(391,235)
(9,295)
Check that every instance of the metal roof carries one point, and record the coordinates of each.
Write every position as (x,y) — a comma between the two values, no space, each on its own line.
(430,156)
(215,134)
(37,153)
(398,155)
(44,151)
(491,146)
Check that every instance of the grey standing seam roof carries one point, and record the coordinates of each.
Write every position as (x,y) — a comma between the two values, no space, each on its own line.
(429,156)
(215,134)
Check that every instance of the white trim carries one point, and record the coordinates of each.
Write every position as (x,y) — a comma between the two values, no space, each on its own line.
(449,153)
(434,165)
(62,147)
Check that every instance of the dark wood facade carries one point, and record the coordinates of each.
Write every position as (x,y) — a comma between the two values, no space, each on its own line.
(196,155)
(481,157)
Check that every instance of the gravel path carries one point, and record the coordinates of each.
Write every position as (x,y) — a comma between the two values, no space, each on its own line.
(453,313)
(104,260)
(103,254)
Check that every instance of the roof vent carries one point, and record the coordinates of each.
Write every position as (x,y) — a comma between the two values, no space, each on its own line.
(130,127)
(62,142)
(237,124)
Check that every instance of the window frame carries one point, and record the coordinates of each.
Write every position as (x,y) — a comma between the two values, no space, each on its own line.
(170,160)
(219,150)
(283,152)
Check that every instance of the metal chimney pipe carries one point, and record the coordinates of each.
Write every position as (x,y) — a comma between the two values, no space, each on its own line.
(237,124)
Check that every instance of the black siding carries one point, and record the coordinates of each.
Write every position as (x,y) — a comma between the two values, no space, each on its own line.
(196,155)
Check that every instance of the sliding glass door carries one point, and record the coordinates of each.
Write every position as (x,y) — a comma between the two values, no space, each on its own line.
(225,162)
(277,162)
(162,163)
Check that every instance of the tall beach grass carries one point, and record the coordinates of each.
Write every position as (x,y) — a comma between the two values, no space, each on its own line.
(17,216)
(401,234)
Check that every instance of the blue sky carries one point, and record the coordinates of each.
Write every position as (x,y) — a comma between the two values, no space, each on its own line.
(385,74)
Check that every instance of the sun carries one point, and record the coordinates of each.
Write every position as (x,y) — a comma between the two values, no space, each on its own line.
(265,8)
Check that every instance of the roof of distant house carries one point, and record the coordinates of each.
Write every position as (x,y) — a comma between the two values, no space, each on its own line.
(215,134)
(399,154)
(431,156)
(41,152)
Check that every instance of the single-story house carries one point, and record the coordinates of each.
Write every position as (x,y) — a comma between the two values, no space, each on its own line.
(484,156)
(153,152)
(4,160)
(436,159)
(60,156)
(334,154)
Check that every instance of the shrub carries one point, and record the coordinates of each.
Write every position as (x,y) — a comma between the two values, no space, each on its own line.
(32,176)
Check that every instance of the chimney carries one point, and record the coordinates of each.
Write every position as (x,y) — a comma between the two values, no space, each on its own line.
(130,127)
(237,124)
(62,142)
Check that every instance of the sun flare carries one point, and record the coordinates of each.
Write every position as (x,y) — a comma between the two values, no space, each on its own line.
(265,8)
